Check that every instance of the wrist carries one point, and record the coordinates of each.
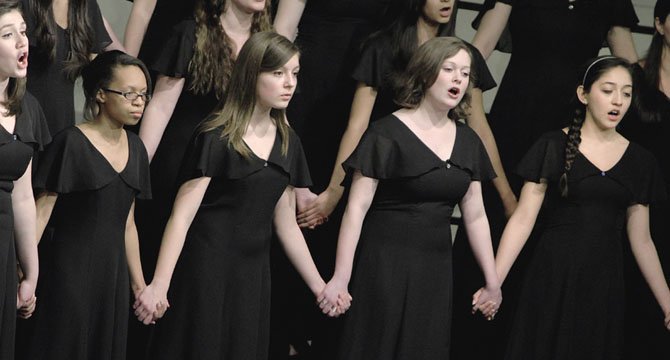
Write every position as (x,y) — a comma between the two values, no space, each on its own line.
(160,284)
(317,286)
(335,190)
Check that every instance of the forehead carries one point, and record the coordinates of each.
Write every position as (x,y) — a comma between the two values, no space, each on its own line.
(293,62)
(128,74)
(461,58)
(10,18)
(617,75)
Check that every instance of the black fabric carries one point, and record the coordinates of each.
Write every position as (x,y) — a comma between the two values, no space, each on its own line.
(375,69)
(648,125)
(578,260)
(220,289)
(16,150)
(401,283)
(47,80)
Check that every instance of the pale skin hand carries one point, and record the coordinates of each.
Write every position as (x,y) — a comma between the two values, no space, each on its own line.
(646,256)
(138,21)
(148,305)
(491,28)
(336,295)
(23,207)
(159,111)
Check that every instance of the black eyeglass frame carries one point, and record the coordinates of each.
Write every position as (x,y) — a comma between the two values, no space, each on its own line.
(146,97)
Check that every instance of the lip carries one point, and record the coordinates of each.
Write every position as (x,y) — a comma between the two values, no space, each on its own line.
(137,114)
(22,64)
(445,12)
(286,96)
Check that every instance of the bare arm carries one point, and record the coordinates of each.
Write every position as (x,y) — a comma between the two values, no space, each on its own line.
(293,241)
(519,226)
(288,16)
(477,121)
(186,206)
(116,43)
(138,21)
(23,207)
(137,283)
(360,198)
(479,234)
(646,256)
(361,109)
(45,205)
(621,43)
(159,111)
(492,26)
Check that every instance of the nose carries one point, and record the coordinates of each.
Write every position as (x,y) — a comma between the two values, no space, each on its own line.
(22,41)
(617,98)
(290,80)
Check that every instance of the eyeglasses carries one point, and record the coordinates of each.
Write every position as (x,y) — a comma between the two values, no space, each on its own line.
(130,95)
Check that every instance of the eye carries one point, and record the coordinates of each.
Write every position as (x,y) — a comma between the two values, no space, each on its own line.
(7,35)
(448,69)
(627,94)
(277,73)
(466,73)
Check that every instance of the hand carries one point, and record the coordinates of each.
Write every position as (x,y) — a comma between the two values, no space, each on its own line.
(25,299)
(335,299)
(318,210)
(151,304)
(487,301)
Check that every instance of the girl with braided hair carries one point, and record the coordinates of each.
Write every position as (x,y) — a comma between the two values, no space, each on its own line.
(583,186)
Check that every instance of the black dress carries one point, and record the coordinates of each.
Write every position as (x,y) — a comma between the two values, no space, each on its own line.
(220,291)
(47,79)
(401,282)
(571,305)
(84,283)
(16,150)
(646,337)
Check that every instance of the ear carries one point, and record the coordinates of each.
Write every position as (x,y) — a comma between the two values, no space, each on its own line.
(582,95)
(100,96)
(659,26)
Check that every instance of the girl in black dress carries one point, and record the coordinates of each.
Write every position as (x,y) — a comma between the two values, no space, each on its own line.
(22,132)
(409,171)
(648,124)
(89,178)
(583,185)
(63,38)
(238,179)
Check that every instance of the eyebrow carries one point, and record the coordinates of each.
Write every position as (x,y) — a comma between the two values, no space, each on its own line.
(8,25)
(613,83)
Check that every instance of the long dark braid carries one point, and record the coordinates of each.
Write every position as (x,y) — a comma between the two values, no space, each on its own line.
(571,149)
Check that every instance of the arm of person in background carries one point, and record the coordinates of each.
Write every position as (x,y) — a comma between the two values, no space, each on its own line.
(159,111)
(190,195)
(116,43)
(138,21)
(359,119)
(621,43)
(646,256)
(479,234)
(23,207)
(336,292)
(288,17)
(491,28)
(293,242)
(477,121)
(137,283)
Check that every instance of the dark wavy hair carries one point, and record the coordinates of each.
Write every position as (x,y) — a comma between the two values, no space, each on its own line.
(80,33)
(648,93)
(591,71)
(213,58)
(264,52)
(16,88)
(100,72)
(423,69)
(402,30)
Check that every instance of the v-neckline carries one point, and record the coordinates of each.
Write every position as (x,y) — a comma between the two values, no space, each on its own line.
(272,149)
(611,167)
(425,146)
(125,166)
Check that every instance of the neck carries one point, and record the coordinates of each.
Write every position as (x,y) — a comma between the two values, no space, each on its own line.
(260,119)
(109,129)
(426,30)
(4,82)
(591,130)
(234,20)
(426,114)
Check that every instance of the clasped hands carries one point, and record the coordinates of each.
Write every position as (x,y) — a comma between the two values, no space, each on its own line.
(151,303)
(335,299)
(313,210)
(487,301)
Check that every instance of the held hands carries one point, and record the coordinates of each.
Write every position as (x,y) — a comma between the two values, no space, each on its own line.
(316,209)
(151,304)
(25,299)
(335,299)
(487,301)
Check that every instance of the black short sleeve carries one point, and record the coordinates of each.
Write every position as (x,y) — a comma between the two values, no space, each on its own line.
(621,13)
(472,156)
(31,125)
(545,159)
(375,63)
(647,185)
(101,38)
(483,79)
(176,55)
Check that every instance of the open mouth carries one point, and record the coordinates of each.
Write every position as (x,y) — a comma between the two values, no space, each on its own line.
(445,11)
(454,91)
(23,59)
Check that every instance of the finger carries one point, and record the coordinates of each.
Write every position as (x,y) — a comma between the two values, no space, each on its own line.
(310,211)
